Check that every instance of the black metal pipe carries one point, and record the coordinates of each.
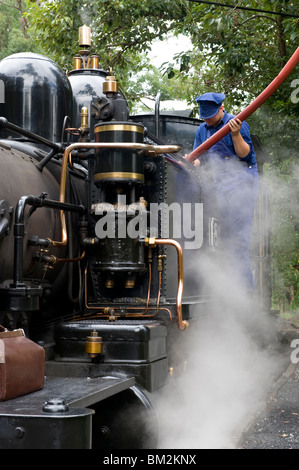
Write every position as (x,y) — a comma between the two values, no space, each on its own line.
(46,159)
(157,113)
(19,227)
(13,127)
(63,206)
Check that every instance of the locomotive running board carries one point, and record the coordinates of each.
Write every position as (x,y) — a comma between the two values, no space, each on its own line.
(57,416)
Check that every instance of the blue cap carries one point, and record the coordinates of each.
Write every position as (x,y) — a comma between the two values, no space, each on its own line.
(209,104)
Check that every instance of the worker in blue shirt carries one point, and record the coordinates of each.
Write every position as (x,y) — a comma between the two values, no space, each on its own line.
(230,170)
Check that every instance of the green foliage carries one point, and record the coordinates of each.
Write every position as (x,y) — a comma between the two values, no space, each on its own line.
(283,189)
(151,81)
(241,50)
(13,29)
(122,29)
(54,26)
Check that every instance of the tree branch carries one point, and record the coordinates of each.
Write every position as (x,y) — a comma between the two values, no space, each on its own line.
(10,6)
(257,16)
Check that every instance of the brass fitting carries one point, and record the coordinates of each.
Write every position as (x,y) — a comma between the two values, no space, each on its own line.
(160,262)
(94,62)
(110,311)
(84,118)
(129,283)
(110,85)
(94,345)
(84,36)
(109,284)
(77,62)
(150,241)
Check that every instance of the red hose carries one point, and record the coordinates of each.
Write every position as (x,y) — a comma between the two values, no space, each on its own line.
(283,74)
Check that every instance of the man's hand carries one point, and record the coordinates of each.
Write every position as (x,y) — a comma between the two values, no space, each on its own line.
(195,162)
(241,147)
(235,126)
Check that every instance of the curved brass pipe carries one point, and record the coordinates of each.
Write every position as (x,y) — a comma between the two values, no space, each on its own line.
(183,324)
(152,242)
(53,259)
(157,149)
(159,291)
(149,285)
(64,165)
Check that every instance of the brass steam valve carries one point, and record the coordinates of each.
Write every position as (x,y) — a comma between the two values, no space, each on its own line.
(84,129)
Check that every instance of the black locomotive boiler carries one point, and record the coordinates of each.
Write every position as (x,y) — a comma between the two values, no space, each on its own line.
(94,251)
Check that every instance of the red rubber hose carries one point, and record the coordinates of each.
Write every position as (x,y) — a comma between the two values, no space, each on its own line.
(283,74)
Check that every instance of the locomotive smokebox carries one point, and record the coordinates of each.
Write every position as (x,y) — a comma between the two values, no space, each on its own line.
(37,95)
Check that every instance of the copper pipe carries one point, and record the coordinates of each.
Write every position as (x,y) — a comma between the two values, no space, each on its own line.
(69,260)
(98,315)
(159,291)
(166,241)
(157,149)
(64,165)
(160,269)
(149,285)
(103,315)
(127,315)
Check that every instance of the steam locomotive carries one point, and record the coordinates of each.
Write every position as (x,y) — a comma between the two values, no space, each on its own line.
(95,267)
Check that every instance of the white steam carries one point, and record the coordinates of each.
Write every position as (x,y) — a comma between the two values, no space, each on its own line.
(228,369)
(230,351)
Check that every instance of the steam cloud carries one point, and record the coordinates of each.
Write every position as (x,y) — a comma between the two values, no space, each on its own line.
(228,370)
(230,362)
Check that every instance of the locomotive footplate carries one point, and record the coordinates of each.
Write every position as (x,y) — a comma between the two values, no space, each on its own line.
(57,417)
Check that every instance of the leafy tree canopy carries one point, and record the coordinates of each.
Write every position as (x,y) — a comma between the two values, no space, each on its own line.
(13,29)
(240,49)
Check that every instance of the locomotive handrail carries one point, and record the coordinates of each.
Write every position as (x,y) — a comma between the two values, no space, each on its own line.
(158,149)
(13,127)
(55,147)
(183,324)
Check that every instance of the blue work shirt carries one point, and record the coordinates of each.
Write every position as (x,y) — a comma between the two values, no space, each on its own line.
(234,182)
(225,146)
